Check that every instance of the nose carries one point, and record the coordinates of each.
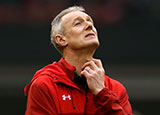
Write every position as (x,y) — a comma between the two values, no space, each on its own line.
(89,25)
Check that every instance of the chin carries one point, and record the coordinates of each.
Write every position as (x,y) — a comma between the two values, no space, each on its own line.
(94,44)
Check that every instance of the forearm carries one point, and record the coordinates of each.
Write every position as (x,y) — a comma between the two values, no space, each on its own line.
(107,102)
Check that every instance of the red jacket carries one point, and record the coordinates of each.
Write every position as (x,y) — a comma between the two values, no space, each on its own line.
(52,91)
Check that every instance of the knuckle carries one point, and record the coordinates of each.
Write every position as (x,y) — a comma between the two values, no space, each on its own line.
(89,76)
(91,62)
(94,73)
(99,70)
(98,60)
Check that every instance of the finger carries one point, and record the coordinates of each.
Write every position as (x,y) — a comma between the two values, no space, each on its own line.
(85,73)
(93,65)
(90,64)
(98,63)
(89,70)
(85,65)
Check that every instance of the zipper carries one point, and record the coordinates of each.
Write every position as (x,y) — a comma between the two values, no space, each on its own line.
(74,107)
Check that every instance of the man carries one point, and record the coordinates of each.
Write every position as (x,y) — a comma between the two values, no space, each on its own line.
(77,84)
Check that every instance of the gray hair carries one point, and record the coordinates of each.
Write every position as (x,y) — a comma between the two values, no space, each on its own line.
(57,26)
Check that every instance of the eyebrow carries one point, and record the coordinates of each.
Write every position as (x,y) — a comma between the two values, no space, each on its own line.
(79,18)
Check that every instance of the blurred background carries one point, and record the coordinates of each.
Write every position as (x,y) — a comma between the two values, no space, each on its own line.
(130,51)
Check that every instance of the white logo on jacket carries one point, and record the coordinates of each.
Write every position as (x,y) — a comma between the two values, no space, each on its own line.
(65,97)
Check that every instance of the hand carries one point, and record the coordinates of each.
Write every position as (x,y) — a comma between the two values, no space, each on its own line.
(94,73)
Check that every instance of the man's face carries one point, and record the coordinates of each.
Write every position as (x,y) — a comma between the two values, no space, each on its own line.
(80,31)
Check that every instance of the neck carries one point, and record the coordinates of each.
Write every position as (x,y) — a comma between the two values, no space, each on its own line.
(78,58)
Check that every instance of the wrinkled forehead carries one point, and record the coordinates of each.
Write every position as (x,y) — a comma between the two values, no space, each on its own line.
(69,18)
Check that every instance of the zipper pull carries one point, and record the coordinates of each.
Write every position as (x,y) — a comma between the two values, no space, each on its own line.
(74,107)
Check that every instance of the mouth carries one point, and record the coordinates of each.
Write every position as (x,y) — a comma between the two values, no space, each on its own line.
(90,35)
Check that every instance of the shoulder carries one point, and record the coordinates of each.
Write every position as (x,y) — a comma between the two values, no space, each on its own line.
(44,80)
(47,75)
(43,83)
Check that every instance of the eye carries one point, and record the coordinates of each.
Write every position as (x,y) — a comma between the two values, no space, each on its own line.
(89,19)
(77,23)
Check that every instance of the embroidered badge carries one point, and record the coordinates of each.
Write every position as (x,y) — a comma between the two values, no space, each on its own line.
(65,97)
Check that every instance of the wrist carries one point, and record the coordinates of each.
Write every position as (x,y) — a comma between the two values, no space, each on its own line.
(95,92)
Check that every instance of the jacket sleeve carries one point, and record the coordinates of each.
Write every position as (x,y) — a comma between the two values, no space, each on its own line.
(108,103)
(39,101)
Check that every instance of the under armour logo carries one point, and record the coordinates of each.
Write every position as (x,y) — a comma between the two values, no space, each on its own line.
(65,97)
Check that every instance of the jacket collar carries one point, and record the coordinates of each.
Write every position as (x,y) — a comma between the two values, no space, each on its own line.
(67,68)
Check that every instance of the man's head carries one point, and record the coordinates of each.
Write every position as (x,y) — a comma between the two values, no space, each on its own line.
(71,27)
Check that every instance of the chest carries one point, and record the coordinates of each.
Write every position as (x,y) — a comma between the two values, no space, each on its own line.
(70,100)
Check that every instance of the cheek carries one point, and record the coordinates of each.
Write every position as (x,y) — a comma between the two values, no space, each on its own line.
(76,36)
(77,31)
(72,34)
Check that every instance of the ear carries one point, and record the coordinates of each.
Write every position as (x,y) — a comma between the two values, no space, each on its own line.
(60,40)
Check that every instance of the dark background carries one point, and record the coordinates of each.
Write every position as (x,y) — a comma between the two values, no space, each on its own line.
(129,36)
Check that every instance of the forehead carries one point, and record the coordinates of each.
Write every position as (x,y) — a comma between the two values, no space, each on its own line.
(73,15)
